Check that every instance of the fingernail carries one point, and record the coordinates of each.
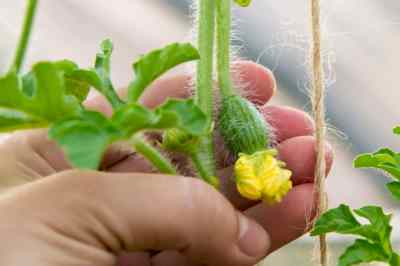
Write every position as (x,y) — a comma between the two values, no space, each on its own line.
(253,239)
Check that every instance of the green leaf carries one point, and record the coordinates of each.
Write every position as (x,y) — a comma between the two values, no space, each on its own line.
(44,102)
(190,117)
(379,229)
(394,188)
(363,251)
(394,260)
(393,171)
(384,159)
(243,3)
(396,130)
(78,88)
(85,139)
(152,65)
(180,114)
(339,220)
(74,86)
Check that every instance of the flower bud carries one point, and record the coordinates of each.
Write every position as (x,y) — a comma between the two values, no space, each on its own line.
(178,141)
(261,176)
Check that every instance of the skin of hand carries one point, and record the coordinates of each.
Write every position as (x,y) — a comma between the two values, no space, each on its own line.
(127,215)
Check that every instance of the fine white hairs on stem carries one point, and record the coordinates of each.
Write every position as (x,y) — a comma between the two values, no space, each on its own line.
(318,107)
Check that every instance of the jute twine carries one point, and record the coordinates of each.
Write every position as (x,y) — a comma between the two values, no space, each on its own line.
(318,108)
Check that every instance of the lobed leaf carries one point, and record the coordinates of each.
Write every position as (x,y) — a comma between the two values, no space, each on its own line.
(379,229)
(74,86)
(339,220)
(363,251)
(394,188)
(43,101)
(180,114)
(152,65)
(86,138)
(384,159)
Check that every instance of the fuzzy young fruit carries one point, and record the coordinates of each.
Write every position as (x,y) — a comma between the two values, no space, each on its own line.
(259,175)
(242,126)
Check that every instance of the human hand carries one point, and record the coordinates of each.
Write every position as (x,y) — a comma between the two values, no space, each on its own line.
(94,218)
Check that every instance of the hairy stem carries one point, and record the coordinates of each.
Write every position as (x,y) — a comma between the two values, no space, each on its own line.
(153,155)
(200,161)
(204,90)
(25,35)
(223,46)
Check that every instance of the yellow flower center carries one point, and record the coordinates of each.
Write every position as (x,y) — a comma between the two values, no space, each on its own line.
(260,176)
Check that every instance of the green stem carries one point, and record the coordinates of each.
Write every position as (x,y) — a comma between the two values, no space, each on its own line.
(223,46)
(204,90)
(25,35)
(153,155)
(200,161)
(112,95)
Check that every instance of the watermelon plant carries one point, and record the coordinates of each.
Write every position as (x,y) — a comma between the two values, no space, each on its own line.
(374,236)
(51,95)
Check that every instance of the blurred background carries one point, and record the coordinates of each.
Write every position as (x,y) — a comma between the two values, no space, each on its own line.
(360,52)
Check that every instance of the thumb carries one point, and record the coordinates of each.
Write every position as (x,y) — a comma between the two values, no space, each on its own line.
(89,217)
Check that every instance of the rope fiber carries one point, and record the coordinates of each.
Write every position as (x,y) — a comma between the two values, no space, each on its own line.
(318,109)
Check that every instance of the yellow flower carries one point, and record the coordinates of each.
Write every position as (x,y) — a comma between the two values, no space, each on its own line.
(261,176)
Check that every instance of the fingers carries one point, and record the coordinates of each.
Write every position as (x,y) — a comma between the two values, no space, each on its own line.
(117,212)
(300,157)
(258,81)
(288,220)
(288,122)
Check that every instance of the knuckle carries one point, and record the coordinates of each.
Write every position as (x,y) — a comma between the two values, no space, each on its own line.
(206,203)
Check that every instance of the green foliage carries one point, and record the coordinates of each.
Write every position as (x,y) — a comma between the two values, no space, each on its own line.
(396,130)
(363,251)
(74,86)
(384,159)
(46,102)
(78,88)
(97,132)
(374,244)
(85,138)
(152,65)
(394,188)
(50,95)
